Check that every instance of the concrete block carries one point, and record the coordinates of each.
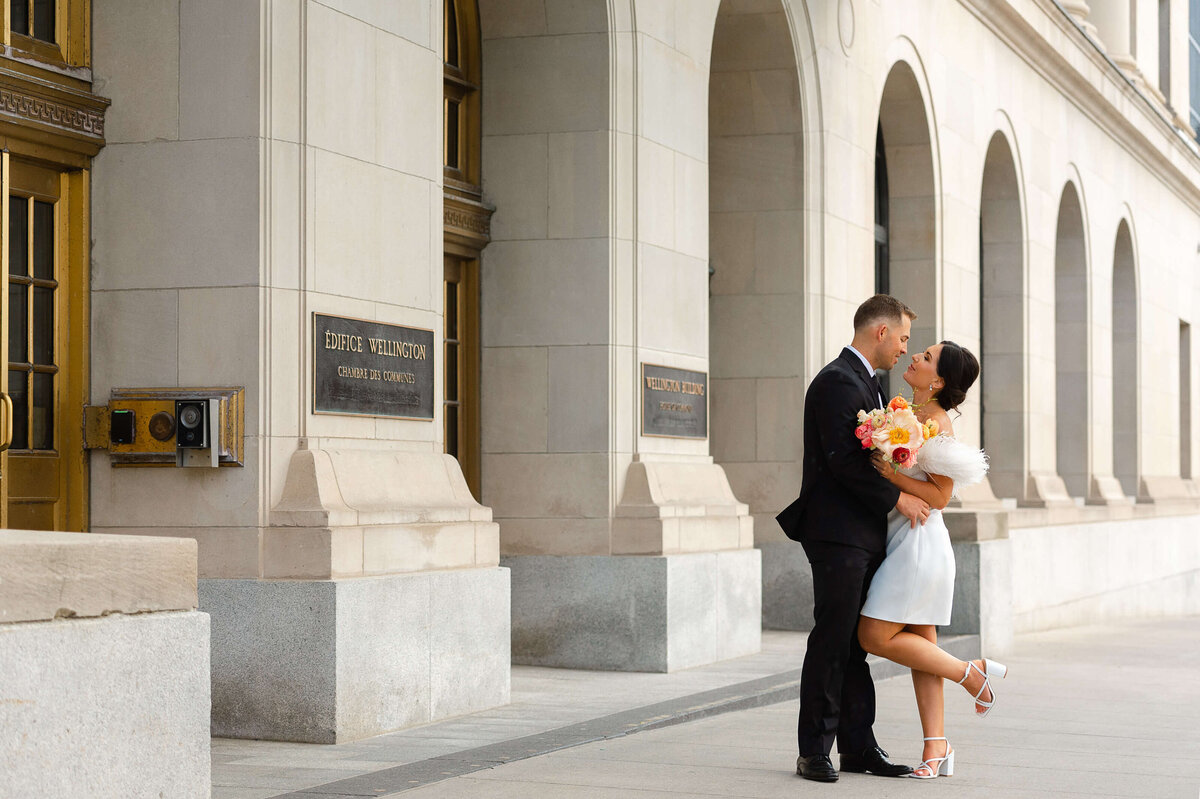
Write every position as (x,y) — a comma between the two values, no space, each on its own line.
(692,614)
(273,650)
(983,594)
(739,603)
(514,418)
(141,217)
(656,613)
(787,589)
(329,661)
(97,708)
(471,650)
(54,575)
(381,661)
(219,97)
(341,80)
(137,67)
(135,338)
(1094,573)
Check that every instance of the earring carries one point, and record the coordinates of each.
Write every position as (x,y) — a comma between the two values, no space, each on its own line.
(931,386)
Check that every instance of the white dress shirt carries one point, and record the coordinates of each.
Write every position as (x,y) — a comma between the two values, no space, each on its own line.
(870,368)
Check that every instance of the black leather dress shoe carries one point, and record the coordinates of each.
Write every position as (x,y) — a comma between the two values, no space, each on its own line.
(875,761)
(816,767)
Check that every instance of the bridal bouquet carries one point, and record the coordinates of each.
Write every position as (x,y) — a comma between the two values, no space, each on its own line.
(895,431)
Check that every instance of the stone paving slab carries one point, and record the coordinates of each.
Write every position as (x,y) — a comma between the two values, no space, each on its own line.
(531,726)
(1096,711)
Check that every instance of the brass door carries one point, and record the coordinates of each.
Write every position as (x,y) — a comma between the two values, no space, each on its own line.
(44,343)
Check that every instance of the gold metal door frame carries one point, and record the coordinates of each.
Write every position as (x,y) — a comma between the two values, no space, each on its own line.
(48,484)
(6,406)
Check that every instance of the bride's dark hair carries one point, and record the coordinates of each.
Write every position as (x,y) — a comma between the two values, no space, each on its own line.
(958,369)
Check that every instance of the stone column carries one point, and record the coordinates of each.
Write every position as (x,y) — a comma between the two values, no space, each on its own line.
(627,551)
(1113,25)
(1179,97)
(1080,10)
(271,161)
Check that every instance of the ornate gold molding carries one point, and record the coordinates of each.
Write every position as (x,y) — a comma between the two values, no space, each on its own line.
(466,223)
(61,115)
(50,115)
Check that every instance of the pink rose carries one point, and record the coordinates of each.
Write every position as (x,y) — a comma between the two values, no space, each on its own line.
(863,431)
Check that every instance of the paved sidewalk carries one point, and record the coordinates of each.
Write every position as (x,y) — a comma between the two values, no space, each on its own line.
(1111,711)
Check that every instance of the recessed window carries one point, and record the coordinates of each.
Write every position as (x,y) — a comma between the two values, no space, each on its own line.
(450,141)
(34,18)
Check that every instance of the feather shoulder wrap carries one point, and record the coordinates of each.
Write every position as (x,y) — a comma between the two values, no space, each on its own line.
(948,456)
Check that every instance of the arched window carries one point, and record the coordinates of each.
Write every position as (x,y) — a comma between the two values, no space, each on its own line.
(466,225)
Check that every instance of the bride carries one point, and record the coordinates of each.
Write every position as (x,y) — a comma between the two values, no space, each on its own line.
(913,589)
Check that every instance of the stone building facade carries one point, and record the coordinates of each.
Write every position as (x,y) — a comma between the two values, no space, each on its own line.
(605,245)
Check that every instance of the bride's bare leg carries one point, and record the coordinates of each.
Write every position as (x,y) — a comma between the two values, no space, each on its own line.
(892,640)
(931,701)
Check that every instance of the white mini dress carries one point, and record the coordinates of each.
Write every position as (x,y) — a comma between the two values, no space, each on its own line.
(915,582)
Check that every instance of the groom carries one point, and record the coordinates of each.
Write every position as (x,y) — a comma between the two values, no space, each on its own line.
(841,520)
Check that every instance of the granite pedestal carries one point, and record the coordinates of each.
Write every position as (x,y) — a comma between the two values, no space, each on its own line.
(328,661)
(638,612)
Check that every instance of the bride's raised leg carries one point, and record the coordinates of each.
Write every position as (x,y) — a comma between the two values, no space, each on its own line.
(896,642)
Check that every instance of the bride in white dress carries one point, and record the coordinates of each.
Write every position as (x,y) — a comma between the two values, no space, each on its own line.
(913,589)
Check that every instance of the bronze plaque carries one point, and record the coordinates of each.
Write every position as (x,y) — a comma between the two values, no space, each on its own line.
(674,402)
(371,368)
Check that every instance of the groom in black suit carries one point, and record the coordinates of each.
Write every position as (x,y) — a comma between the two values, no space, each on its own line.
(841,520)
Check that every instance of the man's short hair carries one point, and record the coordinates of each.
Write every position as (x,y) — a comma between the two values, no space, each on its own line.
(882,308)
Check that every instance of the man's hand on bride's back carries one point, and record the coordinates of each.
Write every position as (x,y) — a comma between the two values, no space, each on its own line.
(915,509)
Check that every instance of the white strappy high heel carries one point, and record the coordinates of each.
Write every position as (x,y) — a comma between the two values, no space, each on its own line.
(990,668)
(936,766)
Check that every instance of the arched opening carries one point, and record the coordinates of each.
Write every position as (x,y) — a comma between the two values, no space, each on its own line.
(1002,315)
(910,214)
(1126,457)
(756,318)
(1071,345)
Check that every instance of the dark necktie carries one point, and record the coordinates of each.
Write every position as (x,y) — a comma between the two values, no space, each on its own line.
(878,388)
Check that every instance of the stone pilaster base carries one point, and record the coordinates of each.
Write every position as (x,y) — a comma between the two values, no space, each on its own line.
(1166,489)
(1045,490)
(1106,491)
(673,507)
(329,661)
(636,613)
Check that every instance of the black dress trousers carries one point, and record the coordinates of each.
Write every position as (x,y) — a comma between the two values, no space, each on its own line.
(837,696)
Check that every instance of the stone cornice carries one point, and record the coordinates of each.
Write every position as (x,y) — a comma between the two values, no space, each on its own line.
(1171,159)
(50,113)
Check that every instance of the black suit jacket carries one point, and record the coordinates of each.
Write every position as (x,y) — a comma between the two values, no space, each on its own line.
(842,499)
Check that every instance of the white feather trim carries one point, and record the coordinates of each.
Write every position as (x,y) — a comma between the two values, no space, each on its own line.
(951,458)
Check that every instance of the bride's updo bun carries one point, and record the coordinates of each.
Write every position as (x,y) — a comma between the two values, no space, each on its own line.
(958,369)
